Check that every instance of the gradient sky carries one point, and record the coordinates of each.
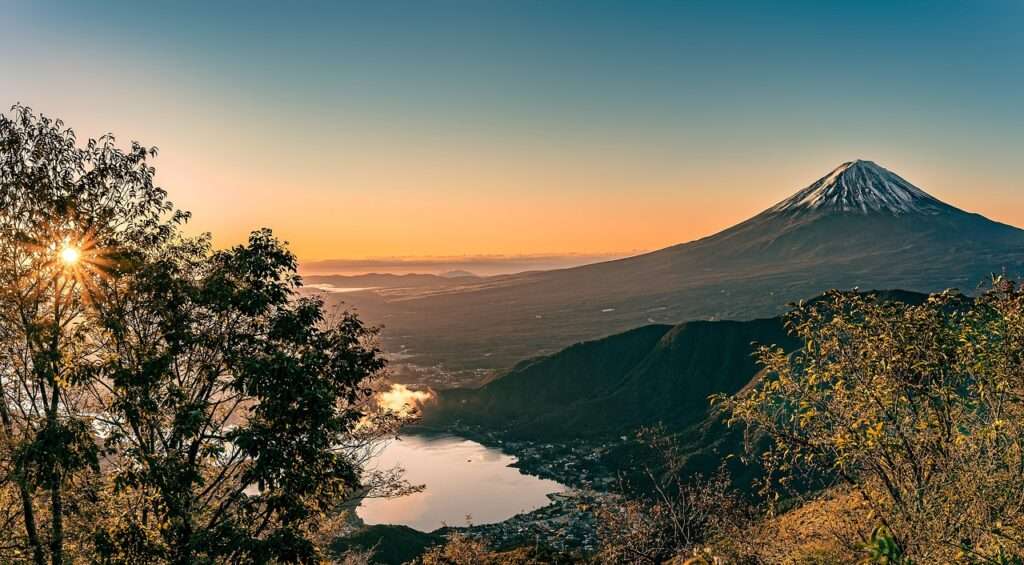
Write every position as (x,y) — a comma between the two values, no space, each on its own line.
(482,127)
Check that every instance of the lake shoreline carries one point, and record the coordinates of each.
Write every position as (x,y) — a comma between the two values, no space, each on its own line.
(446,463)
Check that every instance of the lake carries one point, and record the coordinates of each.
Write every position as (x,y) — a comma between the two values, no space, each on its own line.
(462,477)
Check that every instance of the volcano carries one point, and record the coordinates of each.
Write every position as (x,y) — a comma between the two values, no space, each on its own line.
(861,226)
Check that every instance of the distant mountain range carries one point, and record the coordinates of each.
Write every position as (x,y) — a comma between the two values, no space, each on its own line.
(860,225)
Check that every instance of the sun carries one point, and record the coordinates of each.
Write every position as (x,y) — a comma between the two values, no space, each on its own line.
(70,255)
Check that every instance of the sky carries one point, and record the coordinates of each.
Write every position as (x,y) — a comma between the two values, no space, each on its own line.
(490,128)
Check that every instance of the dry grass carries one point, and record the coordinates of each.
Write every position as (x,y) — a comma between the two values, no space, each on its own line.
(826,529)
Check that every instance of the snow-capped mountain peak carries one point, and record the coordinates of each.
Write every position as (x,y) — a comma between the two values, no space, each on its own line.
(861,187)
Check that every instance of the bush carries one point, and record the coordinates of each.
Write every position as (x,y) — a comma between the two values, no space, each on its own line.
(918,408)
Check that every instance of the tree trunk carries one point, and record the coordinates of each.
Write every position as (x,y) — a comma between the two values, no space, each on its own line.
(27,509)
(57,523)
(56,501)
(31,532)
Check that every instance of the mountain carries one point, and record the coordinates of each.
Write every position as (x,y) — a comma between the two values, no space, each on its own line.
(861,187)
(611,387)
(644,376)
(457,273)
(375,281)
(536,388)
(641,377)
(858,226)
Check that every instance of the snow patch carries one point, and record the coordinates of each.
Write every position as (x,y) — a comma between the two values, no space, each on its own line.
(861,187)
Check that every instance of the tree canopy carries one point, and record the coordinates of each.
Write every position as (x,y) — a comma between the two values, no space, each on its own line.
(160,400)
(917,408)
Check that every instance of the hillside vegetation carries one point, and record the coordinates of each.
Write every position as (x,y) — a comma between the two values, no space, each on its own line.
(655,374)
(894,433)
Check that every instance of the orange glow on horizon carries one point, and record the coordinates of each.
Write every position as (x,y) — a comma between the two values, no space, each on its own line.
(394,216)
(395,194)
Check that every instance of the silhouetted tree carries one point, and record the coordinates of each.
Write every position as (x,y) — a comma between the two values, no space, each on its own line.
(162,401)
(69,216)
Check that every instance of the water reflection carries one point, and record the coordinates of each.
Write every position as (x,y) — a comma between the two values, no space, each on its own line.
(462,478)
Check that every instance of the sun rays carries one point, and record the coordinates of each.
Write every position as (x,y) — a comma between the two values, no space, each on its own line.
(76,264)
(70,255)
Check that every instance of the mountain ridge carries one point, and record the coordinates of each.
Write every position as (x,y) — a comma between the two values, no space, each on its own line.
(607,389)
(645,376)
(750,270)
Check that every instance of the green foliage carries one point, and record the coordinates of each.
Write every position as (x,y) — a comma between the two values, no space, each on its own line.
(616,384)
(162,401)
(920,408)
(882,549)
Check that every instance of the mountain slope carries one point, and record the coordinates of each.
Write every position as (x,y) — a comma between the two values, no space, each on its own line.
(616,384)
(611,387)
(860,225)
(537,387)
(648,375)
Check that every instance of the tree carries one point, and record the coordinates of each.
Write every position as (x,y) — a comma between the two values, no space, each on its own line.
(918,408)
(461,549)
(178,404)
(61,205)
(231,406)
(674,515)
